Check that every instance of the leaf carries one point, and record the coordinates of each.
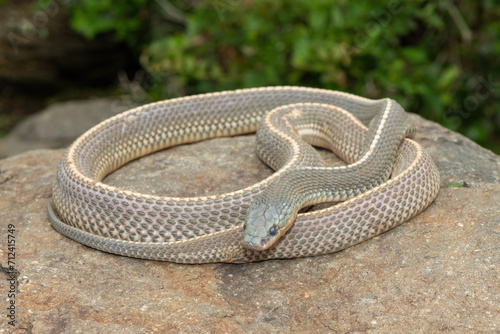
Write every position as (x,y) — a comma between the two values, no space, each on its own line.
(446,79)
(301,51)
(455,185)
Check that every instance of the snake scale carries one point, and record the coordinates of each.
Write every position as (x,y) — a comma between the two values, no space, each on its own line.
(388,178)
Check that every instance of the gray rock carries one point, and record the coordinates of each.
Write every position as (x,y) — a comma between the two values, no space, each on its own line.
(438,272)
(60,124)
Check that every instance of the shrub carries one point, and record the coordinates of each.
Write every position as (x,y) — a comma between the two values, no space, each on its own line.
(438,59)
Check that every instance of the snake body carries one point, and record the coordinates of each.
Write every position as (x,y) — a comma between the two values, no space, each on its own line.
(367,134)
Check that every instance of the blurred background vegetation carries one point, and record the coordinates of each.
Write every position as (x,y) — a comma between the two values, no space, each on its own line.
(439,59)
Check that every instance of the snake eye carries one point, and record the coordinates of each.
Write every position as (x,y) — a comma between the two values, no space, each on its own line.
(272,231)
(245,226)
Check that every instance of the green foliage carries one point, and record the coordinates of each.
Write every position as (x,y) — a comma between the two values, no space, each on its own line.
(439,59)
(126,19)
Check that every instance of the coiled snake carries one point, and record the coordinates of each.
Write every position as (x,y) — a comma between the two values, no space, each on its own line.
(387,180)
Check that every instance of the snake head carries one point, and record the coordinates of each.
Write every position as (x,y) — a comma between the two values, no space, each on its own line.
(265,223)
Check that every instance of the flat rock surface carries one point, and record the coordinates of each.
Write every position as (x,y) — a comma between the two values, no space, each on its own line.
(438,272)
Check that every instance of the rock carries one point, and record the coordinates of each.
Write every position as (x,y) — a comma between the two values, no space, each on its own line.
(61,123)
(436,273)
(39,50)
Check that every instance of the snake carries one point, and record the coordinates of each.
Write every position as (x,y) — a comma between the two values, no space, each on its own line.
(386,180)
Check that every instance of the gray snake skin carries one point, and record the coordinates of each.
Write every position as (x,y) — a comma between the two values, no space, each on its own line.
(388,178)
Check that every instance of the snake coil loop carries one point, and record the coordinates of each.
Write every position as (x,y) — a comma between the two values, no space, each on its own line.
(387,180)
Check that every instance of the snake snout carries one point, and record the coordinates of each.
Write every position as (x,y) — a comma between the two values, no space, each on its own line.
(262,226)
(255,243)
(255,234)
